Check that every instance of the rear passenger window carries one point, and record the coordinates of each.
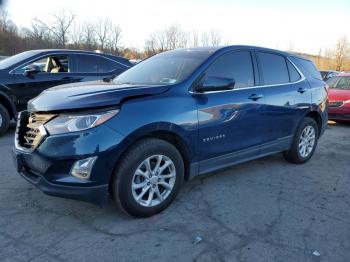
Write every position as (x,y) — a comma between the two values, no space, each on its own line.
(274,68)
(237,65)
(293,73)
(94,64)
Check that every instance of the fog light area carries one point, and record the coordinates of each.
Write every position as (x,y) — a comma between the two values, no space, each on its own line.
(82,168)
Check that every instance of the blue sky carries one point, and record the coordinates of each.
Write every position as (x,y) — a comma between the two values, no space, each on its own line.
(307,26)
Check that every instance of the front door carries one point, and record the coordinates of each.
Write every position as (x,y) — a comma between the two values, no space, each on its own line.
(52,70)
(230,121)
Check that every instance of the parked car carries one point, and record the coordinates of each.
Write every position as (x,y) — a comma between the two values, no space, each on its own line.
(327,74)
(171,117)
(339,98)
(26,75)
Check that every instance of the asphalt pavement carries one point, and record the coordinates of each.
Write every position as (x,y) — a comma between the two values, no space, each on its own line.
(262,210)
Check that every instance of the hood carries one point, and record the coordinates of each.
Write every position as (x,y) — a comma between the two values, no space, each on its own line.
(338,94)
(89,95)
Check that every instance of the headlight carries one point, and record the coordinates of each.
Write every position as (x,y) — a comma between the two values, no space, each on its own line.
(77,122)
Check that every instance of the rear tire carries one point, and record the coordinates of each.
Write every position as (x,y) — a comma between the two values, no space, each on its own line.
(4,120)
(304,142)
(148,177)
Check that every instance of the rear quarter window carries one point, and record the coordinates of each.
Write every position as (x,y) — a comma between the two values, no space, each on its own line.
(309,67)
(293,73)
(95,64)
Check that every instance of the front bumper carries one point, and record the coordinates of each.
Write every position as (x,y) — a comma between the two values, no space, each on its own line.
(93,194)
(339,113)
(48,166)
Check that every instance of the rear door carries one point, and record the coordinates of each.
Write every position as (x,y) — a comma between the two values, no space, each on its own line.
(90,67)
(288,95)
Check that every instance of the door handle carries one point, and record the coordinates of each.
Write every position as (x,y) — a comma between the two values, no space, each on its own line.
(67,78)
(301,90)
(255,97)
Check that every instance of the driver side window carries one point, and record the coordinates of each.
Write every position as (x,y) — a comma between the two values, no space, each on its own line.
(237,65)
(49,64)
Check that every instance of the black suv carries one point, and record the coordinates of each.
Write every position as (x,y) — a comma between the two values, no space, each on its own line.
(26,75)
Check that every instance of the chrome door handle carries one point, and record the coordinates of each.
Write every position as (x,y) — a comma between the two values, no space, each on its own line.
(255,97)
(301,90)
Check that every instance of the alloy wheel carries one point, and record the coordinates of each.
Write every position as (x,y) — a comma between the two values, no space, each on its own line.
(307,141)
(153,180)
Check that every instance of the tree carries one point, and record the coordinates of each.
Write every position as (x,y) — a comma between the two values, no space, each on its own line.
(169,38)
(103,32)
(60,27)
(116,34)
(88,36)
(341,53)
(77,35)
(211,38)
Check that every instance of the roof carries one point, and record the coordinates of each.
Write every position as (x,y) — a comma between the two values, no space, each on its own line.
(343,74)
(38,51)
(218,48)
(329,71)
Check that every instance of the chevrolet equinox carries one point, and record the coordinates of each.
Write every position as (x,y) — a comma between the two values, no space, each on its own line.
(172,117)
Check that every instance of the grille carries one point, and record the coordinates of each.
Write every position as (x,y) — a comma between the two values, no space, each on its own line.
(335,103)
(30,129)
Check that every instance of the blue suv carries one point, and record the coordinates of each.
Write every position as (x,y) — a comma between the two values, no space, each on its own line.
(172,117)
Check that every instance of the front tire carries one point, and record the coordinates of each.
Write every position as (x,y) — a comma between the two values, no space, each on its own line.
(304,142)
(148,178)
(4,120)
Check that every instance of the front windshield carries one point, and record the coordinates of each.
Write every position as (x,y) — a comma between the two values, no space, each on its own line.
(9,61)
(167,68)
(339,82)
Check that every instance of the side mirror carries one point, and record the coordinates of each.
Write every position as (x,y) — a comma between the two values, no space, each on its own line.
(31,70)
(216,84)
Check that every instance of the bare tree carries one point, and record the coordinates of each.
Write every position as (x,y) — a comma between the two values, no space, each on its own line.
(205,39)
(103,31)
(61,24)
(115,40)
(156,43)
(341,53)
(211,38)
(5,22)
(169,38)
(38,31)
(77,35)
(215,37)
(195,38)
(88,36)
(290,47)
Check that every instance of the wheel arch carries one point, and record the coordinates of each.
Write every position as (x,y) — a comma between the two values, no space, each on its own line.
(164,131)
(8,104)
(318,119)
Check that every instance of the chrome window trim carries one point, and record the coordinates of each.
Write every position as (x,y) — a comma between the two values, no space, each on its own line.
(302,78)
(67,54)
(107,58)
